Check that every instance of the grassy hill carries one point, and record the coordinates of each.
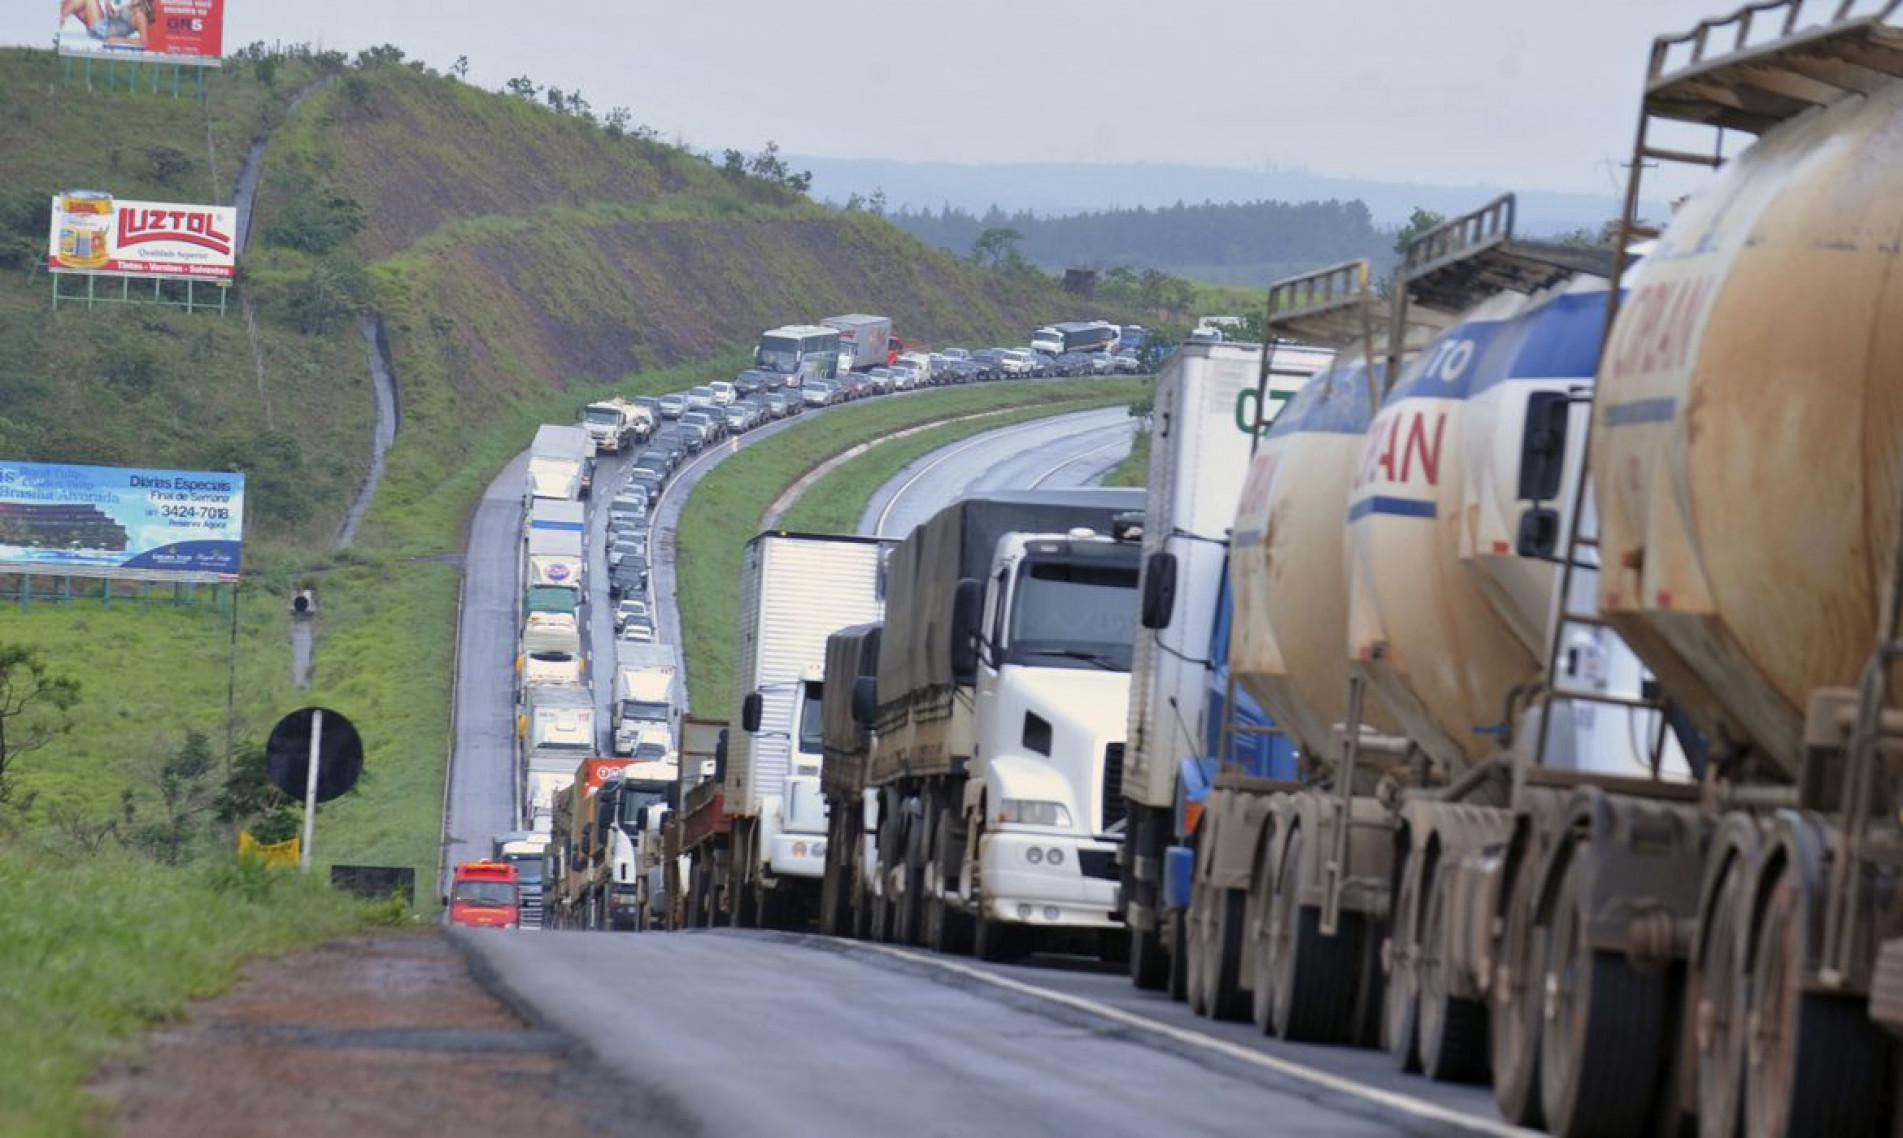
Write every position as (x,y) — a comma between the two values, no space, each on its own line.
(522,262)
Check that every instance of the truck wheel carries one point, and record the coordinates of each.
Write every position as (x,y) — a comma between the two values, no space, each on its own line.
(1149,964)
(1400,1003)
(741,914)
(1314,985)
(1513,1026)
(696,916)
(1195,952)
(1453,1029)
(1717,1005)
(1227,999)
(951,928)
(1179,956)
(1818,1063)
(771,908)
(861,911)
(1600,1042)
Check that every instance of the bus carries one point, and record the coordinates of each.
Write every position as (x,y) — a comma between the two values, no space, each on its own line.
(484,895)
(1077,336)
(800,352)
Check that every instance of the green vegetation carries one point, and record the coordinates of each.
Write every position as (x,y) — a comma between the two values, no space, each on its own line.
(93,949)
(1134,470)
(728,504)
(836,502)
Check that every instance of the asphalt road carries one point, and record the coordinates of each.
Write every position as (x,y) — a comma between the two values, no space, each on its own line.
(1060,452)
(480,801)
(758,1033)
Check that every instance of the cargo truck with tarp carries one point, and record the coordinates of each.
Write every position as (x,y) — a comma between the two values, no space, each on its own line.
(1003,683)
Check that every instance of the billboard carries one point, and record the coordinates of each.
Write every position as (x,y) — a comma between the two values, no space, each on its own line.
(92,232)
(159,31)
(106,521)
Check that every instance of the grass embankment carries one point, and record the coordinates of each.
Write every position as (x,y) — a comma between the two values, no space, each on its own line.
(836,502)
(1134,470)
(94,949)
(727,505)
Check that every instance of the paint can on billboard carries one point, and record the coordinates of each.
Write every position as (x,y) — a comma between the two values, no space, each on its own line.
(85,225)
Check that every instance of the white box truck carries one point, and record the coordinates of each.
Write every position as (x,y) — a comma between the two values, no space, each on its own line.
(559,462)
(555,543)
(795,591)
(646,696)
(864,341)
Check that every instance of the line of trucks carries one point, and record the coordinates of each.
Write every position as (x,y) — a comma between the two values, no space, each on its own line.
(1499,673)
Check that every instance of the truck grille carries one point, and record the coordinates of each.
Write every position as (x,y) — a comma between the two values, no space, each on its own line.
(1112,787)
(530,901)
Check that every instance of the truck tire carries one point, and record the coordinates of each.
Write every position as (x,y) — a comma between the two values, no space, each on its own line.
(1820,1064)
(1149,964)
(1453,1029)
(1601,1047)
(1225,997)
(1314,997)
(1515,1005)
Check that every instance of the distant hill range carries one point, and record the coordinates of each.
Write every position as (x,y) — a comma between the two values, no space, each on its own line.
(1059,190)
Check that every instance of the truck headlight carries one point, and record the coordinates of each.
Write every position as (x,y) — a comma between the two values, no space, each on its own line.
(1033,812)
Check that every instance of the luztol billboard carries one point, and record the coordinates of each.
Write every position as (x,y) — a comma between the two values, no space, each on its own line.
(167,31)
(115,522)
(94,233)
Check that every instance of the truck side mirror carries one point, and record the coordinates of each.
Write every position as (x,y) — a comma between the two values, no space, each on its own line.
(1539,533)
(1159,590)
(865,700)
(752,710)
(968,606)
(1543,446)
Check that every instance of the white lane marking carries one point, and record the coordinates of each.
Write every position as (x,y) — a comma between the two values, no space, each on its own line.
(1427,1111)
(885,514)
(1075,459)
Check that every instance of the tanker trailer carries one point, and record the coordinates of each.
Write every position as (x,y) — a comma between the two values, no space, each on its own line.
(1747,459)
(1286,650)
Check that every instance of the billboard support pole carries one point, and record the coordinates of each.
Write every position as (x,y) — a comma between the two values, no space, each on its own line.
(231,681)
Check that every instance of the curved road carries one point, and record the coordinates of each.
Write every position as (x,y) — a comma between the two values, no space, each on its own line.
(1060,452)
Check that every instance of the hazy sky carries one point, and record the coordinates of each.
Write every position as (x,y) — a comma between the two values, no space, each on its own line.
(1530,93)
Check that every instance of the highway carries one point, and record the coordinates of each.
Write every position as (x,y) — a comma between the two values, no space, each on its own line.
(724,1032)
(1060,452)
(729,1032)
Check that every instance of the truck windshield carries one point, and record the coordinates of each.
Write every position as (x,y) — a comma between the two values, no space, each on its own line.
(528,867)
(484,894)
(639,709)
(812,736)
(604,416)
(1074,614)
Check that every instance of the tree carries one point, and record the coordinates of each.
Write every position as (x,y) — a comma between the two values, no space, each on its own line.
(460,68)
(617,121)
(522,85)
(250,801)
(996,246)
(185,792)
(35,708)
(1418,222)
(169,164)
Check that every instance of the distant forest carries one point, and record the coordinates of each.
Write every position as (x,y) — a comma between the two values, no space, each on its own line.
(1239,243)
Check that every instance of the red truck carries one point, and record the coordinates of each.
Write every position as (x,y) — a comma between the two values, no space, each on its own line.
(484,895)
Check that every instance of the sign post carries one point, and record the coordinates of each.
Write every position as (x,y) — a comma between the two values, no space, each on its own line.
(310,788)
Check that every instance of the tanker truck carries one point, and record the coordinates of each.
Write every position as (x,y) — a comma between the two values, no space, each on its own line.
(1745,463)
(1211,402)
(795,590)
(1003,679)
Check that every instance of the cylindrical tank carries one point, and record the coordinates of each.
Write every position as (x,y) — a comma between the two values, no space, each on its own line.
(1750,423)
(1445,619)
(1285,566)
